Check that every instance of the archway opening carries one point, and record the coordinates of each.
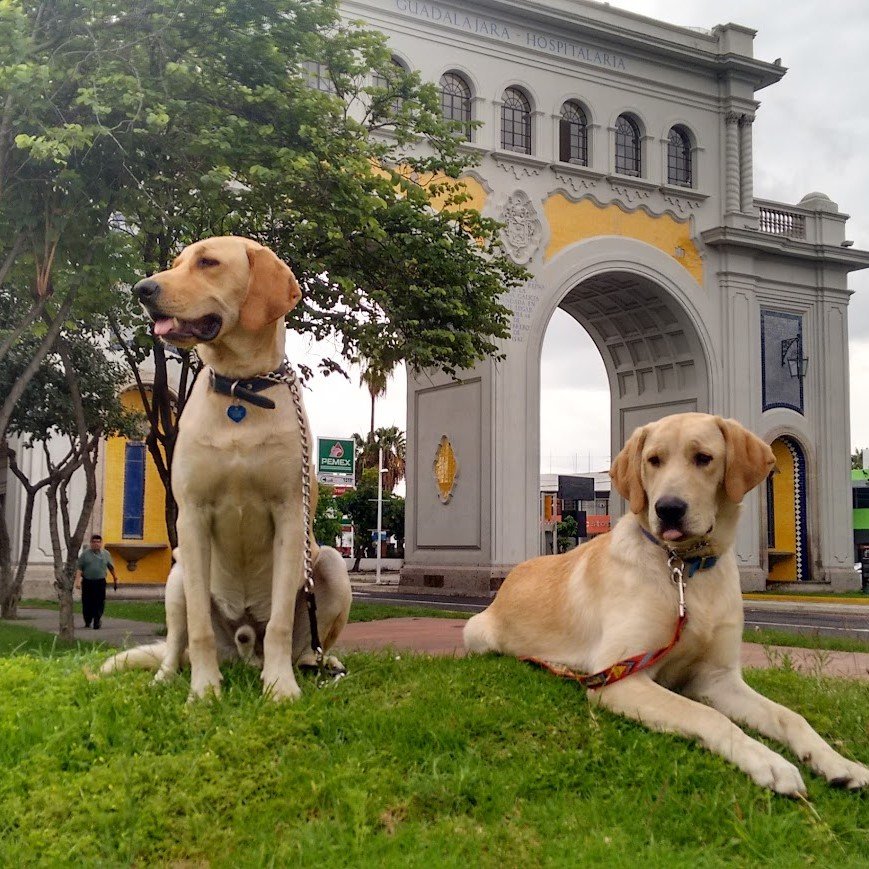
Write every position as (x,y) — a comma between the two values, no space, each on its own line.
(630,355)
(786,520)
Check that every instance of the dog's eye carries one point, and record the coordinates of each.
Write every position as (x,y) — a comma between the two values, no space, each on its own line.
(654,461)
(702,460)
(205,262)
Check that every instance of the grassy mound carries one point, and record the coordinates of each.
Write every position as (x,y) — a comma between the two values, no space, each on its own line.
(410,761)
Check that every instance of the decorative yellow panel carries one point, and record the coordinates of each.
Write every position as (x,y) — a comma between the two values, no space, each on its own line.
(570,222)
(467,185)
(150,555)
(782,556)
(446,469)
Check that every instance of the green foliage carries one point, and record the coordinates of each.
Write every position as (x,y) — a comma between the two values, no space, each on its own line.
(394,444)
(567,531)
(481,761)
(191,119)
(46,408)
(360,504)
(327,519)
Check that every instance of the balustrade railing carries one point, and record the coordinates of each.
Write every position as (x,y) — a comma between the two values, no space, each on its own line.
(776,221)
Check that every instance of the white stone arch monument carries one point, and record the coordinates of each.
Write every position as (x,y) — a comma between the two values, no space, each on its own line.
(692,288)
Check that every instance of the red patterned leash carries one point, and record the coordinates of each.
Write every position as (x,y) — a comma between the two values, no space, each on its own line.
(628,666)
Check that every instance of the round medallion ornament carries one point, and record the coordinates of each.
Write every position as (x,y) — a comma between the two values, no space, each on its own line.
(446,469)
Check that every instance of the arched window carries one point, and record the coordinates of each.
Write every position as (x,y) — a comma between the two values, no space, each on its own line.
(319,77)
(379,80)
(456,101)
(515,121)
(573,135)
(628,160)
(679,169)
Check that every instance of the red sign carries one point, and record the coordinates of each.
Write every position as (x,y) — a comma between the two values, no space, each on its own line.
(597,524)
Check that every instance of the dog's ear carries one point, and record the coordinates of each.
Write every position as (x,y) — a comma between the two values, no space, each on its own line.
(272,290)
(626,471)
(748,459)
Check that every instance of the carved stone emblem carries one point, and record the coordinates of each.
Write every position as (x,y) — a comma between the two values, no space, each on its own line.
(446,469)
(523,229)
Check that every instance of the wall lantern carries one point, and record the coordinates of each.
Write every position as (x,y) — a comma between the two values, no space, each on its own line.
(797,363)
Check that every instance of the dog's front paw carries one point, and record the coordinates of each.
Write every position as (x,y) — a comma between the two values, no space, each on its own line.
(204,682)
(843,773)
(771,770)
(165,674)
(279,683)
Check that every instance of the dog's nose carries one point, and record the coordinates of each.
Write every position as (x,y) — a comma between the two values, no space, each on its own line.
(671,511)
(147,290)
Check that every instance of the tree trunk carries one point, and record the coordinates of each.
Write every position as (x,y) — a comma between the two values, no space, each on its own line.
(12,583)
(163,412)
(66,616)
(87,449)
(8,607)
(62,583)
(12,592)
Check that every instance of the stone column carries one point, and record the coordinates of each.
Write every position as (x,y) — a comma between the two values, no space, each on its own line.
(731,179)
(746,167)
(833,485)
(740,317)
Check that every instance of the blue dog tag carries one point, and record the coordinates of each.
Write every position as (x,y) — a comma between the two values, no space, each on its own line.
(236,412)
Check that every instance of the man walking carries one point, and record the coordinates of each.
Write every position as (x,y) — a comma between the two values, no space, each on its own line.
(90,577)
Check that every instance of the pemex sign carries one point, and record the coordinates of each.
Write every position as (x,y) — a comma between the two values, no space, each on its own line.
(336,461)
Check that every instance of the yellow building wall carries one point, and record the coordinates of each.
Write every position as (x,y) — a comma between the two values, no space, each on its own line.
(571,221)
(782,557)
(467,186)
(153,567)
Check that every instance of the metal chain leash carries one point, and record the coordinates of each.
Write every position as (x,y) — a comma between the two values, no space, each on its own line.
(293,382)
(677,574)
(287,374)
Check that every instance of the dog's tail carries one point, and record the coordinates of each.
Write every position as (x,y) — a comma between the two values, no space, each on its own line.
(140,658)
(479,635)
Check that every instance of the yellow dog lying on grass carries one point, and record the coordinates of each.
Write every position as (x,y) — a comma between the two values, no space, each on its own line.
(683,477)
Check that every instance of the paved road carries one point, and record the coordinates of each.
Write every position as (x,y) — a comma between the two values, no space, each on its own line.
(829,620)
(840,620)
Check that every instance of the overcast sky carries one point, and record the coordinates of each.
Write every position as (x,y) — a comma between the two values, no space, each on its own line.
(811,133)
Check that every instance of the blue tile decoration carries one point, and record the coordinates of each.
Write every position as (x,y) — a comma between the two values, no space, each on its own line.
(779,388)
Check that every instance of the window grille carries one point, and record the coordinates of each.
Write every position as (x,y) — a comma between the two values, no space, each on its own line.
(573,135)
(628,159)
(516,122)
(134,491)
(456,101)
(318,76)
(679,158)
(381,81)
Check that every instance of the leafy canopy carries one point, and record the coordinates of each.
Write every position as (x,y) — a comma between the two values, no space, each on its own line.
(189,119)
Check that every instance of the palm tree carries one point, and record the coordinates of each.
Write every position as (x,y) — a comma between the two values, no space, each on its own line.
(394,445)
(393,442)
(375,378)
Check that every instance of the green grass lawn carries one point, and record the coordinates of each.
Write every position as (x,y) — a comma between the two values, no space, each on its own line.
(411,762)
(138,610)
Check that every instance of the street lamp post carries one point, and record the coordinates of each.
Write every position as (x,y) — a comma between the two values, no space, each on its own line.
(380,472)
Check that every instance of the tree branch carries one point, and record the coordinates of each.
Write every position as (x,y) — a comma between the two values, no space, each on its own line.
(56,324)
